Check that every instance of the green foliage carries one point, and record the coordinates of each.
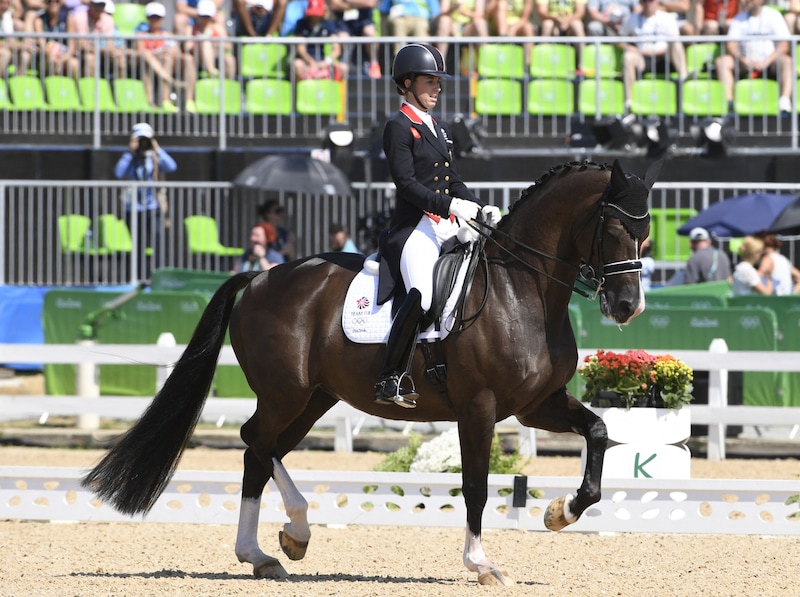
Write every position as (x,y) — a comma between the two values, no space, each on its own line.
(400,460)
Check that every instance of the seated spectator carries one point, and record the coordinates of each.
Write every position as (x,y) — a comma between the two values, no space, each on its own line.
(465,18)
(713,17)
(260,256)
(660,56)
(765,54)
(680,10)
(311,62)
(408,18)
(340,241)
(512,19)
(257,18)
(792,17)
(560,17)
(96,20)
(272,211)
(606,17)
(206,53)
(648,263)
(162,57)
(746,279)
(54,55)
(186,13)
(785,276)
(354,18)
(707,263)
(12,51)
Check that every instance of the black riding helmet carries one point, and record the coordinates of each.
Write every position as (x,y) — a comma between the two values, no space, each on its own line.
(417,59)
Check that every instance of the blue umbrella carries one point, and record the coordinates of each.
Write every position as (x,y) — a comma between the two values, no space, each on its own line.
(741,215)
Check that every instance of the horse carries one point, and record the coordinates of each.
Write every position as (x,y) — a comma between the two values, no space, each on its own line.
(512,356)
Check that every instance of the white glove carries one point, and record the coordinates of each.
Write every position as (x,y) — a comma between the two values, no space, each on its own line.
(492,214)
(464,209)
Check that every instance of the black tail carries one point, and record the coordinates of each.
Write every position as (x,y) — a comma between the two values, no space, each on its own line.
(137,469)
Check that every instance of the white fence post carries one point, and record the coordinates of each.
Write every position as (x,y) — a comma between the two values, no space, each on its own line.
(166,340)
(87,387)
(343,440)
(717,397)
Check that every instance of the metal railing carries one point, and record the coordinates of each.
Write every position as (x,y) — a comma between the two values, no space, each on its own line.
(35,251)
(122,88)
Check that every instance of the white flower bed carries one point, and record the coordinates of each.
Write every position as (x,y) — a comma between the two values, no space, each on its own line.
(441,454)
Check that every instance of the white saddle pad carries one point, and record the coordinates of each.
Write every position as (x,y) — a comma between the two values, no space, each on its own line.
(366,322)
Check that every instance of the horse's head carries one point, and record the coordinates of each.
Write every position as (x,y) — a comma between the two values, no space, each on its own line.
(613,268)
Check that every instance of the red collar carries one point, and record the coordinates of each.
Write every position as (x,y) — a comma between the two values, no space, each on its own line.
(412,115)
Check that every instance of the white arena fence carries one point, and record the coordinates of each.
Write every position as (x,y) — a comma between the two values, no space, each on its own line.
(262,100)
(33,252)
(697,506)
(348,421)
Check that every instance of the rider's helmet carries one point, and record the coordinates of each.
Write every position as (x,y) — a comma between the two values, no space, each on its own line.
(417,59)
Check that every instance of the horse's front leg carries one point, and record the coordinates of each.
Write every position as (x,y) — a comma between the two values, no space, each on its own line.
(562,413)
(476,431)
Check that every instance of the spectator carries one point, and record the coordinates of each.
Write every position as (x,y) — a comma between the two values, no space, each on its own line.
(746,279)
(707,263)
(55,57)
(512,19)
(260,256)
(648,264)
(659,56)
(311,62)
(606,17)
(354,18)
(680,10)
(257,18)
(785,276)
(765,56)
(206,55)
(186,13)
(462,18)
(97,21)
(408,18)
(145,161)
(792,17)
(340,240)
(271,211)
(163,57)
(561,17)
(713,17)
(12,51)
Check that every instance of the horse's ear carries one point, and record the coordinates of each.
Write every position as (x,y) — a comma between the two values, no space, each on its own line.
(652,173)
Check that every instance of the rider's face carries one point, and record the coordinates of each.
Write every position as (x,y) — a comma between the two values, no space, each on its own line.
(427,89)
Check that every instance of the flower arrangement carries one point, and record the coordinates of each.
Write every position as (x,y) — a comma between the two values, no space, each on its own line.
(636,378)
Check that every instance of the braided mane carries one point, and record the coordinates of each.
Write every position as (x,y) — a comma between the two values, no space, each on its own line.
(552,173)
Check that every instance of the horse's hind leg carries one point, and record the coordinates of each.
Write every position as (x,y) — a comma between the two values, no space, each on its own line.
(562,413)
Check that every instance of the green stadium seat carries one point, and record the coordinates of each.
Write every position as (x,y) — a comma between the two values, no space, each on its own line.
(26,93)
(263,60)
(755,97)
(62,93)
(603,98)
(320,96)
(131,97)
(208,96)
(127,16)
(73,234)
(498,97)
(551,97)
(654,97)
(268,96)
(203,238)
(704,97)
(501,61)
(700,59)
(88,87)
(668,245)
(552,61)
(603,60)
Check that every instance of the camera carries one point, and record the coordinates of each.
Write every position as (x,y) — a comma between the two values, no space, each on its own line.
(145,144)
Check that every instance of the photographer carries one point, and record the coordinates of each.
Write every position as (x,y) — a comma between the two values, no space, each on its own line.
(144,161)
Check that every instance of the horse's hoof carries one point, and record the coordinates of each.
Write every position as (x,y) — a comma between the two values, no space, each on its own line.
(557,516)
(294,549)
(495,577)
(270,568)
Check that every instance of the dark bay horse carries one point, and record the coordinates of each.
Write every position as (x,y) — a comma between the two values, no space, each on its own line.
(514,358)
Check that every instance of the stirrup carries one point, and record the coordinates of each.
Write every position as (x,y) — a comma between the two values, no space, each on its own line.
(389,391)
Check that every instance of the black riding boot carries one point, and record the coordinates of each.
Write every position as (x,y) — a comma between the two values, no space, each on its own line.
(402,338)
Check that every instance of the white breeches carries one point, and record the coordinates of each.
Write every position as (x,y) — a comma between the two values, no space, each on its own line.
(420,253)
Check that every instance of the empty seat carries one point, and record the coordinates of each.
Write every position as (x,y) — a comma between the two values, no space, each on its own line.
(656,97)
(553,61)
(551,97)
(501,61)
(498,97)
(268,96)
(320,96)
(210,93)
(601,98)
(26,93)
(704,97)
(62,93)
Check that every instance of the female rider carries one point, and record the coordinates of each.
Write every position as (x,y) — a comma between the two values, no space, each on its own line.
(430,196)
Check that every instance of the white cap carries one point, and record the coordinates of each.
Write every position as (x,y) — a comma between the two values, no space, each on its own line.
(110,8)
(265,4)
(699,234)
(155,9)
(142,129)
(206,8)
